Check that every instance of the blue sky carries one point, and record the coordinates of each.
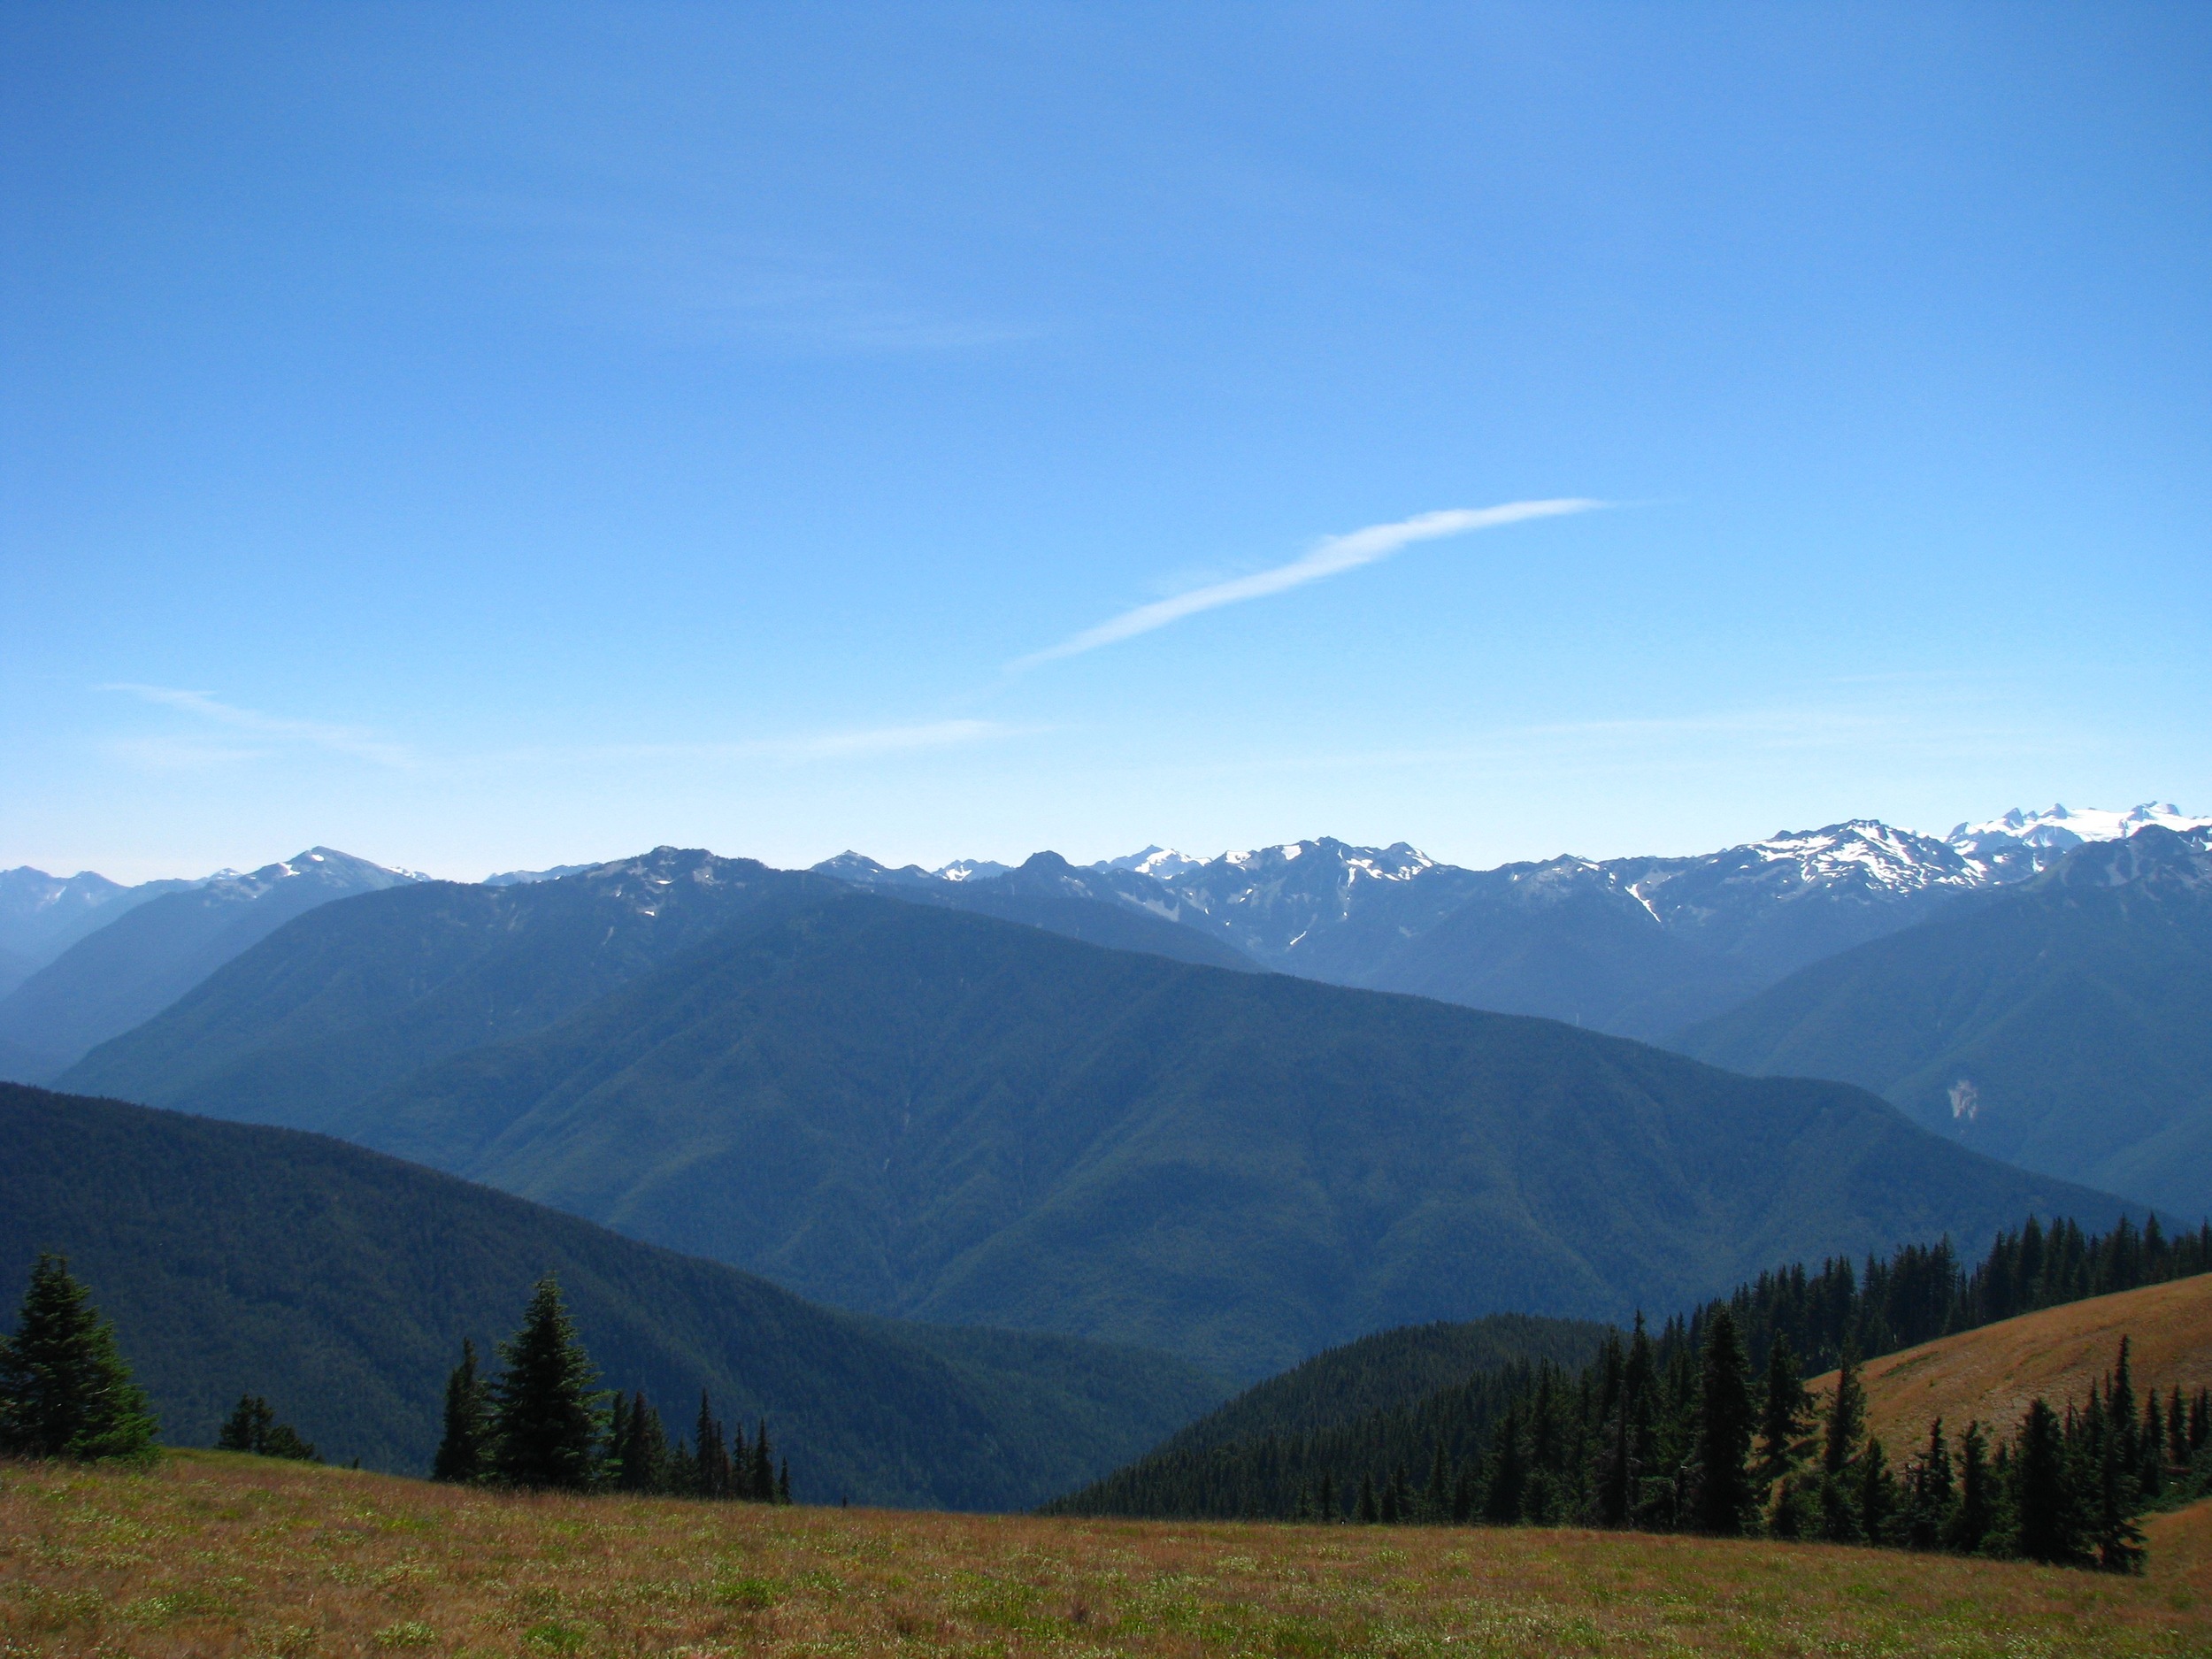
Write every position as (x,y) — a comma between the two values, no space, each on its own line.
(480,437)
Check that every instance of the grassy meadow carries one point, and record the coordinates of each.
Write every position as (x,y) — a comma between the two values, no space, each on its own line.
(214,1553)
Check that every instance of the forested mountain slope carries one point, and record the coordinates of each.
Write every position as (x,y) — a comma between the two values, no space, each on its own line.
(937,1115)
(2065,1025)
(1386,1371)
(123,973)
(1098,907)
(340,1283)
(349,997)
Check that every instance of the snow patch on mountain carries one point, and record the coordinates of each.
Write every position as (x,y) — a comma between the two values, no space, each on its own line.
(1163,863)
(2059,827)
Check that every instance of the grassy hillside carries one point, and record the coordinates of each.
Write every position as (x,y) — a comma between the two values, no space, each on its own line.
(220,1554)
(2060,1353)
(2066,1026)
(943,1116)
(340,1283)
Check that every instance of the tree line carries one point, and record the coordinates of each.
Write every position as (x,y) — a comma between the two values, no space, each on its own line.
(1706,1427)
(65,1392)
(542,1421)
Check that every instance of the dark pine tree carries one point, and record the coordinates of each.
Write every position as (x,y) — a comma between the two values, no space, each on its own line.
(1723,1499)
(1930,1493)
(461,1448)
(1975,1515)
(64,1390)
(1839,1506)
(641,1462)
(1874,1494)
(252,1427)
(544,1425)
(2049,1525)
(711,1475)
(247,1427)
(763,1484)
(1786,1413)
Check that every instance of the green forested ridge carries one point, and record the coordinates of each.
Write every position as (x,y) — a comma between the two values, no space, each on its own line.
(1379,1373)
(153,952)
(352,995)
(339,1285)
(941,1115)
(1534,1438)
(2064,1027)
(344,1002)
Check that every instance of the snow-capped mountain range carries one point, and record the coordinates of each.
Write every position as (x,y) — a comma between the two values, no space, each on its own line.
(1639,945)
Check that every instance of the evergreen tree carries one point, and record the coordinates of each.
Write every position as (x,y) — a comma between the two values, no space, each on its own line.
(252,1427)
(1930,1491)
(1508,1472)
(1436,1497)
(1874,1494)
(711,1471)
(1367,1514)
(247,1427)
(1840,1512)
(1846,1416)
(1975,1516)
(64,1390)
(640,1461)
(763,1484)
(461,1448)
(544,1428)
(1786,1413)
(2150,1474)
(783,1481)
(2047,1527)
(1723,1499)
(2120,1411)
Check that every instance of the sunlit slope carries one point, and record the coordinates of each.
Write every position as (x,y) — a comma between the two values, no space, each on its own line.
(1991,1374)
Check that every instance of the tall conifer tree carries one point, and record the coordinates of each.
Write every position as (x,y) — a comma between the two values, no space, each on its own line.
(544,1427)
(64,1390)
(461,1448)
(2044,1501)
(1723,1499)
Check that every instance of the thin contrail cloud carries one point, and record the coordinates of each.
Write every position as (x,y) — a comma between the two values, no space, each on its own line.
(1337,554)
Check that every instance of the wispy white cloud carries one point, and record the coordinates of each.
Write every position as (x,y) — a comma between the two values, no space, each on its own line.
(666,274)
(849,745)
(1333,556)
(277,730)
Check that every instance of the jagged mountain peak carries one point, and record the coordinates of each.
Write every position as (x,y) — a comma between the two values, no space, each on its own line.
(2058,828)
(1161,863)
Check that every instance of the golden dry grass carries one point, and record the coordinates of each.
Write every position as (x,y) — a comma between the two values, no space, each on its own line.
(216,1555)
(2060,1354)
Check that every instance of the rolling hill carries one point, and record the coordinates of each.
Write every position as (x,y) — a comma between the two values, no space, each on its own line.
(1991,1373)
(2064,1026)
(936,1115)
(340,1283)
